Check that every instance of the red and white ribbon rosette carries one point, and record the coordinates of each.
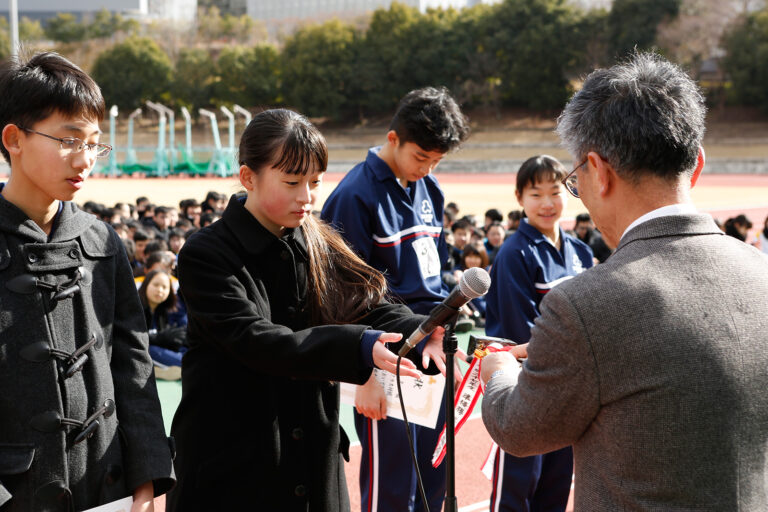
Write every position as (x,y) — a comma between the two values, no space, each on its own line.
(469,391)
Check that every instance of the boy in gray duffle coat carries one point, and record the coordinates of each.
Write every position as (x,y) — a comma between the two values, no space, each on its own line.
(80,421)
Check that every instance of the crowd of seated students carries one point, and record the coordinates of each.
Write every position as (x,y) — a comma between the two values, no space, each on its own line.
(739,227)
(471,244)
(153,235)
(464,231)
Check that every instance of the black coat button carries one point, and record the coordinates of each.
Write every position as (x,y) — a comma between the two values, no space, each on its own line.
(24,283)
(75,367)
(53,495)
(113,474)
(87,432)
(48,421)
(300,490)
(74,254)
(39,352)
(32,257)
(297,434)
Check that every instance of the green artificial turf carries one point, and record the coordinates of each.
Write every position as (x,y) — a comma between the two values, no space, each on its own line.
(170,395)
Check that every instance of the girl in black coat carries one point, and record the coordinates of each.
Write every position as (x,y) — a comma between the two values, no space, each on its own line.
(279,309)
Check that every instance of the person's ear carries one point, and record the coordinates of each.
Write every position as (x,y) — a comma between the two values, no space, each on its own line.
(699,167)
(247,177)
(604,174)
(393,139)
(11,136)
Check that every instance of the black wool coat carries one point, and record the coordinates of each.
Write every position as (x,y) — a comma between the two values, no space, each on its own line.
(80,421)
(258,424)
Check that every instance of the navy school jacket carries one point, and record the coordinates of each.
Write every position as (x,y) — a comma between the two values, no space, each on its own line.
(397,230)
(525,269)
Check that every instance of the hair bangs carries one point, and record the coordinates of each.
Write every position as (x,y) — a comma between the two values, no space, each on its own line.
(45,84)
(77,99)
(549,174)
(302,152)
(61,87)
(540,169)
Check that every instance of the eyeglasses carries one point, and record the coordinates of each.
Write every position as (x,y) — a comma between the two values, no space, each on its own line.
(571,181)
(74,145)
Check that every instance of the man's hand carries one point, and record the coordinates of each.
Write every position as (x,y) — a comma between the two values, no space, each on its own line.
(520,351)
(143,498)
(497,361)
(370,400)
(433,349)
(386,360)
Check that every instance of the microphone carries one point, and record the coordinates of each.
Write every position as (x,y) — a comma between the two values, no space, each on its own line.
(474,283)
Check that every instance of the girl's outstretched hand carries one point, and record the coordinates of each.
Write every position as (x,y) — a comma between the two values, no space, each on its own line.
(434,350)
(143,498)
(386,360)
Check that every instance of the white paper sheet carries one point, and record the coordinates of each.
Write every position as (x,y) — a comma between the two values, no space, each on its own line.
(422,397)
(122,505)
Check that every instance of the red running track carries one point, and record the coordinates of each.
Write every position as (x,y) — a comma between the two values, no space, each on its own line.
(473,489)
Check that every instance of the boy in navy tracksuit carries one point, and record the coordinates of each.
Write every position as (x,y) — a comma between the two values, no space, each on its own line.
(531,262)
(389,208)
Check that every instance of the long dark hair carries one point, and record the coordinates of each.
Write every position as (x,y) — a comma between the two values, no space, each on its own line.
(765,228)
(342,287)
(169,304)
(469,250)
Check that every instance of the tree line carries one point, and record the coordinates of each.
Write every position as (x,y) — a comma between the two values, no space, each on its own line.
(522,53)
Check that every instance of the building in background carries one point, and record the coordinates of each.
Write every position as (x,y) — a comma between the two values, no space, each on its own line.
(232,7)
(319,10)
(593,4)
(182,11)
(172,10)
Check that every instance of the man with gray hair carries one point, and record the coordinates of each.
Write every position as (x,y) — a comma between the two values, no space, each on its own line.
(653,365)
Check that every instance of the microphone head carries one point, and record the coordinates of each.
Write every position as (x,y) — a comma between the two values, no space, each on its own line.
(475,282)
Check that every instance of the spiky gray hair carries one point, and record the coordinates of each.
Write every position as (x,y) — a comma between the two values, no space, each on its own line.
(644,116)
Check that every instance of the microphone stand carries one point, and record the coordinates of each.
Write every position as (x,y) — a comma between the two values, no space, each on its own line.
(450,345)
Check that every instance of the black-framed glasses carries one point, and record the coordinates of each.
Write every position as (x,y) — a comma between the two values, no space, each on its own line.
(74,145)
(571,181)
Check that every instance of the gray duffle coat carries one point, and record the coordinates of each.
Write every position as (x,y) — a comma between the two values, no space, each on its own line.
(80,421)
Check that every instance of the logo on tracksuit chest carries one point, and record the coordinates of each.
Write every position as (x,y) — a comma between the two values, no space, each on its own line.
(576,264)
(427,214)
